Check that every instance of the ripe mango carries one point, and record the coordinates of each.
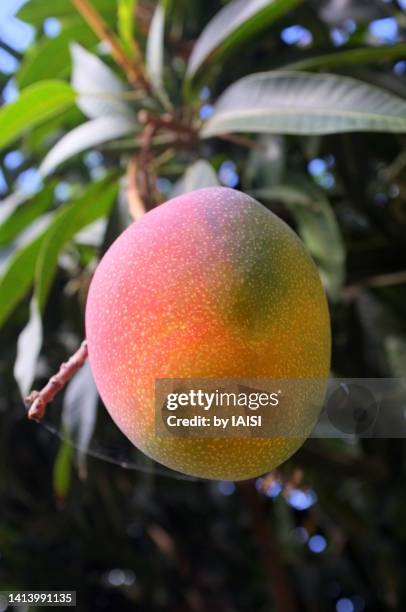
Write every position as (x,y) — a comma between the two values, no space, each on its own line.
(210,284)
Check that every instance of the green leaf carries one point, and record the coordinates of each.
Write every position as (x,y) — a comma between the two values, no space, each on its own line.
(79,413)
(37,140)
(28,346)
(94,204)
(120,217)
(36,11)
(50,57)
(62,472)
(383,331)
(155,52)
(289,195)
(199,175)
(100,90)
(395,349)
(18,275)
(37,256)
(83,137)
(302,103)
(36,104)
(236,22)
(349,57)
(10,204)
(126,10)
(266,164)
(318,228)
(22,211)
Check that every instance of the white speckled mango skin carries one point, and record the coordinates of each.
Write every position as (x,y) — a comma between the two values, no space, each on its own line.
(210,284)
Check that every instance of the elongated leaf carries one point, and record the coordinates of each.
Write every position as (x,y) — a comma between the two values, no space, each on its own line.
(100,90)
(18,274)
(349,57)
(233,24)
(92,235)
(36,11)
(94,204)
(318,227)
(38,138)
(155,51)
(83,137)
(36,104)
(62,473)
(395,348)
(125,22)
(266,164)
(120,217)
(23,210)
(288,194)
(10,204)
(302,103)
(383,333)
(50,57)
(199,175)
(79,412)
(28,347)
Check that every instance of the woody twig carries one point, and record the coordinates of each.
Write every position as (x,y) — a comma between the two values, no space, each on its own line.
(134,70)
(37,401)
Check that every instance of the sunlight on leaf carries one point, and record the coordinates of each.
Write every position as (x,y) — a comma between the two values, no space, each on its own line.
(21,210)
(36,11)
(28,348)
(18,272)
(36,104)
(302,103)
(92,205)
(83,137)
(100,90)
(234,23)
(126,10)
(50,57)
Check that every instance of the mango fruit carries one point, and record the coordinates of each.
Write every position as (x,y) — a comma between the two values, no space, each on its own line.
(210,284)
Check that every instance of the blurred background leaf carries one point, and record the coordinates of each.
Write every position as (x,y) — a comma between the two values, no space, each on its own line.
(235,23)
(330,523)
(126,10)
(198,176)
(79,413)
(37,103)
(294,103)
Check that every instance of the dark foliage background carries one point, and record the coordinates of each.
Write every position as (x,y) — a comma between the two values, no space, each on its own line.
(327,531)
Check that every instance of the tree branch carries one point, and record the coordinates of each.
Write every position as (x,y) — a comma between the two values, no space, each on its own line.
(136,206)
(281,591)
(242,141)
(37,401)
(134,71)
(378,280)
(147,177)
(185,133)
